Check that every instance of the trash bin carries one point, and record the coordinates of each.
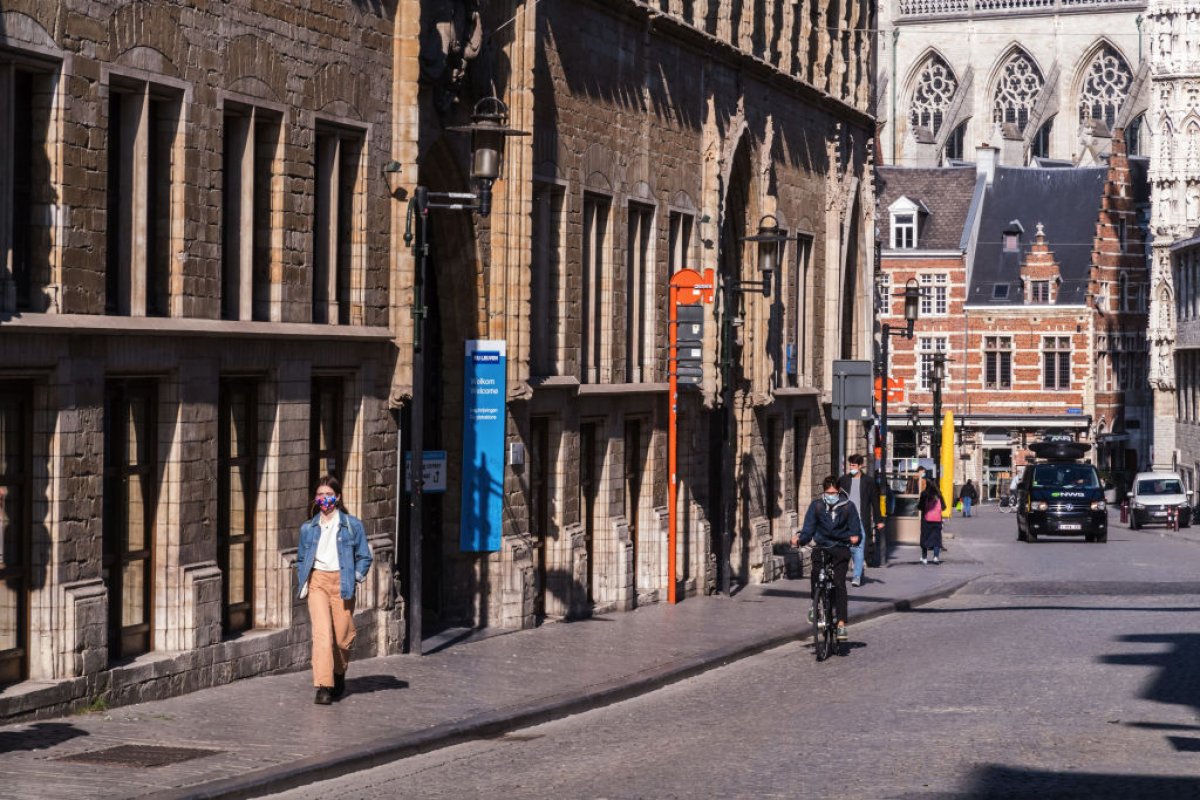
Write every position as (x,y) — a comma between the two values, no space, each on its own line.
(904,523)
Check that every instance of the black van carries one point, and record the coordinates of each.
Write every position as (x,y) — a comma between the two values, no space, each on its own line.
(1061,495)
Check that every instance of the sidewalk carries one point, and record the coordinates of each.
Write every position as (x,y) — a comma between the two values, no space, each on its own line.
(265,734)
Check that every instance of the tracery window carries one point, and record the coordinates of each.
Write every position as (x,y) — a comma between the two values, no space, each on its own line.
(1105,87)
(1017,90)
(935,89)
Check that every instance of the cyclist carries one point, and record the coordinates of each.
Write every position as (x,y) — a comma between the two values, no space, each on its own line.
(833,521)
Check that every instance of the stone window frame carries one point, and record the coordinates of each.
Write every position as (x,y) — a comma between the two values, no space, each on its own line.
(641,296)
(265,299)
(934,87)
(1098,88)
(803,291)
(26,259)
(243,617)
(548,290)
(1014,93)
(935,293)
(140,291)
(1056,359)
(998,348)
(338,293)
(119,390)
(596,262)
(927,346)
(16,563)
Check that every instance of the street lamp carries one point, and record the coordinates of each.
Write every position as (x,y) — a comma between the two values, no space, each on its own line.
(937,375)
(769,240)
(912,308)
(488,131)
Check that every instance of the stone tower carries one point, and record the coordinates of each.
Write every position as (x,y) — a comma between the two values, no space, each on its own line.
(1174,119)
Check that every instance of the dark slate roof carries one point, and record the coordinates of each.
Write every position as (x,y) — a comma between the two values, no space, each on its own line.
(945,191)
(1065,201)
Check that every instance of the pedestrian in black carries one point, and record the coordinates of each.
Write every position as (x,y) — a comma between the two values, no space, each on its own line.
(931,506)
(833,522)
(969,496)
(859,486)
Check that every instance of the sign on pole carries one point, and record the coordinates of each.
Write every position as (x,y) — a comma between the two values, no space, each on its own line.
(483,445)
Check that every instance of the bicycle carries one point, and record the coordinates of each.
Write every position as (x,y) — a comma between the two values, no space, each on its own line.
(1007,505)
(824,611)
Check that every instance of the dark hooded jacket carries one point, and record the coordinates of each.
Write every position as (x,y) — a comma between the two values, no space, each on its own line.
(831,526)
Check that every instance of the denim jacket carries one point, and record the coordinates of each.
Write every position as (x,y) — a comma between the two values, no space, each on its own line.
(354,554)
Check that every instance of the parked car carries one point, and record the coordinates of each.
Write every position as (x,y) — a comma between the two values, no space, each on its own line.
(1154,495)
(1061,495)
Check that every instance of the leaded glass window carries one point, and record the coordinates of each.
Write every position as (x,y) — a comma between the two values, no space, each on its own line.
(935,88)
(1105,87)
(1017,91)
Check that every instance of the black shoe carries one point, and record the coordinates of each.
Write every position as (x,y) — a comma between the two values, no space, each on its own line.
(339,685)
(324,696)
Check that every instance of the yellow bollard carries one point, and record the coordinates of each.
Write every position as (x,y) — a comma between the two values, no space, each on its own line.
(947,466)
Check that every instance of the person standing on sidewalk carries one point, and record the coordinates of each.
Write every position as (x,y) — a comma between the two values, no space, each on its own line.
(860,487)
(833,522)
(969,495)
(332,558)
(931,506)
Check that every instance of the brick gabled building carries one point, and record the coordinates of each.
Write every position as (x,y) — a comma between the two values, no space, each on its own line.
(1034,287)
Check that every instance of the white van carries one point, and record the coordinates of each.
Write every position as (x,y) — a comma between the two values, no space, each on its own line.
(1153,495)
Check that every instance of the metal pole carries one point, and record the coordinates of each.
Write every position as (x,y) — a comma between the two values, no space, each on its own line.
(672,444)
(936,434)
(880,554)
(417,439)
(841,453)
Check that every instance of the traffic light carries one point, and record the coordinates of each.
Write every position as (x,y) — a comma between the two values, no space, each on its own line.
(689,337)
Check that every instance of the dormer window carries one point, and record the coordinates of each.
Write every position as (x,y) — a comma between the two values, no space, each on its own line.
(1012,236)
(1039,292)
(904,231)
(906,220)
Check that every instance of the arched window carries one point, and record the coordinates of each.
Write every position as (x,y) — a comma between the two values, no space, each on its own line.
(935,89)
(1105,86)
(1017,90)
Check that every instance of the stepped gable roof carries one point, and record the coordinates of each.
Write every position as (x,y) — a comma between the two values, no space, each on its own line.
(1066,202)
(944,191)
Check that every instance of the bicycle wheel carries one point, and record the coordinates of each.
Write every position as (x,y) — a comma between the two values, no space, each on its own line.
(823,624)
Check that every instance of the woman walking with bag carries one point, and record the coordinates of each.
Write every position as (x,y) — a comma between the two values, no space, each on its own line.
(332,558)
(931,505)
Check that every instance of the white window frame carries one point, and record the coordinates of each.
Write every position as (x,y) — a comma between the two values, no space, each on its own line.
(905,224)
(926,347)
(935,293)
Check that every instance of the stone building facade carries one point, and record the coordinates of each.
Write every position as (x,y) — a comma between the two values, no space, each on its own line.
(195,322)
(1034,285)
(1174,333)
(1040,80)
(207,300)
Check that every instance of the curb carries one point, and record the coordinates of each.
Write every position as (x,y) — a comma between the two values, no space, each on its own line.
(495,723)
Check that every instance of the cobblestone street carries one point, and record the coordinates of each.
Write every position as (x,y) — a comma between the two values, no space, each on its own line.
(1068,670)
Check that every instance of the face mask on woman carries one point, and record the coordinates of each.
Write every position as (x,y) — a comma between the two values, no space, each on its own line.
(830,499)
(326,503)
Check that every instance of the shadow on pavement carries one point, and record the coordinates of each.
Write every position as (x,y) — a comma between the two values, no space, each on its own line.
(973,609)
(39,736)
(1178,678)
(996,781)
(374,683)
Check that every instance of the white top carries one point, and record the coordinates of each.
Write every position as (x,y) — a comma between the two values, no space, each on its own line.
(327,554)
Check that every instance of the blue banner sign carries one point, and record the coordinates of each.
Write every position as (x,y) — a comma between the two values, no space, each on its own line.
(483,445)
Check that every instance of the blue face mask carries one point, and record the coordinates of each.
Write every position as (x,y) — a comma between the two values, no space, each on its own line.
(830,499)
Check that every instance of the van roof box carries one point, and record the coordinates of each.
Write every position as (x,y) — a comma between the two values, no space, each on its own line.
(1060,451)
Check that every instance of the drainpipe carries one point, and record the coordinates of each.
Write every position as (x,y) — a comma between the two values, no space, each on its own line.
(895,77)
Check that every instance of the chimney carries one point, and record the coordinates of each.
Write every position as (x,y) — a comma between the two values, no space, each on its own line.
(986,158)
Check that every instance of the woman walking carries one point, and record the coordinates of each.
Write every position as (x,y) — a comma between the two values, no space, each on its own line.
(332,558)
(931,505)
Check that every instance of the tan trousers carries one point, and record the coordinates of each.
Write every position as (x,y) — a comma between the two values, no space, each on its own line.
(332,626)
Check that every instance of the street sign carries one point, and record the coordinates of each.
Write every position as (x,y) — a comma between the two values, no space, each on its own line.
(852,389)
(433,467)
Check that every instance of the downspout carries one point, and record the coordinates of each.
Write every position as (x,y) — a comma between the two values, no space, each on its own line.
(1138,21)
(895,36)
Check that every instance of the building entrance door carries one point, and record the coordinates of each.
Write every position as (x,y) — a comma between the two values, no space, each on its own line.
(997,472)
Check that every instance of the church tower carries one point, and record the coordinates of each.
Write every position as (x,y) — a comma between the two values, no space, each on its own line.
(1174,119)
